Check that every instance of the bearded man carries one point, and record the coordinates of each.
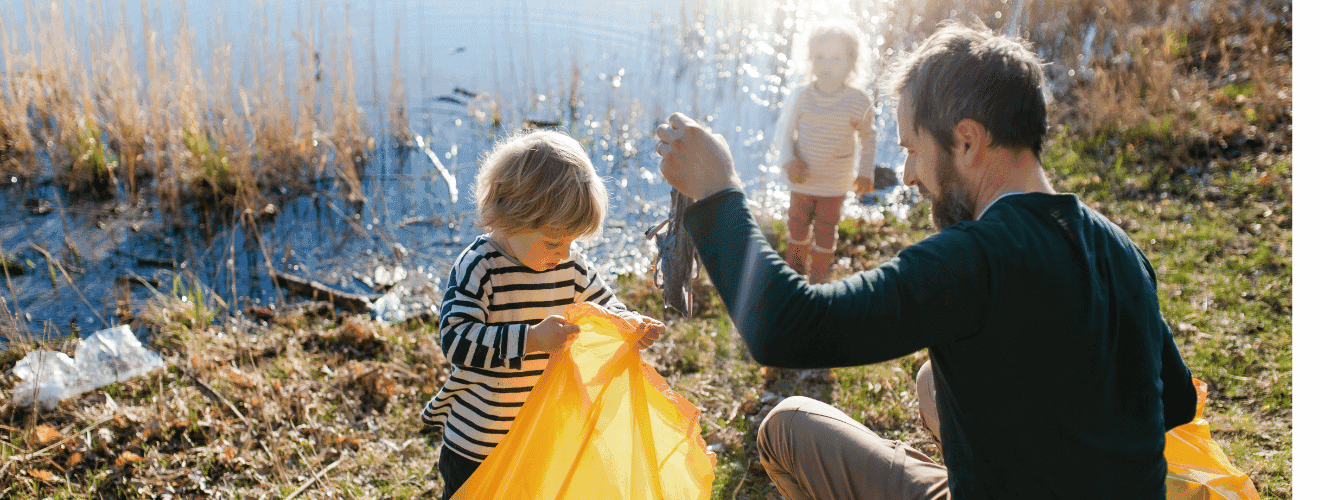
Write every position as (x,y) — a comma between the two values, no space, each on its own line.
(1054,374)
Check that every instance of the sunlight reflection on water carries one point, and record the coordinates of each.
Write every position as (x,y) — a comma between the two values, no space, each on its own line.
(458,64)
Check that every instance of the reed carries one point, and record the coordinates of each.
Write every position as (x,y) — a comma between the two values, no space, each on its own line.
(121,96)
(349,143)
(399,130)
(113,111)
(16,143)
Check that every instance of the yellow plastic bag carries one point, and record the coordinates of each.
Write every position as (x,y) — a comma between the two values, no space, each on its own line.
(600,424)
(1198,467)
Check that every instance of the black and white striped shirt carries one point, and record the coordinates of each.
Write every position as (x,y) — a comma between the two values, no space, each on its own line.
(490,302)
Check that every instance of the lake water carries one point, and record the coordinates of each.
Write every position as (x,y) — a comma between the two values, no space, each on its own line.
(606,72)
(636,62)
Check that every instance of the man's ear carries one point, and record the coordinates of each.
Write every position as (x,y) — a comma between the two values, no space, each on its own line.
(970,141)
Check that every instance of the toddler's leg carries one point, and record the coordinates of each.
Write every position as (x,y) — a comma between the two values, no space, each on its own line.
(800,208)
(824,229)
(454,470)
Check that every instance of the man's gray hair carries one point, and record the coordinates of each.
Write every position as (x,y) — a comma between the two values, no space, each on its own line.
(969,72)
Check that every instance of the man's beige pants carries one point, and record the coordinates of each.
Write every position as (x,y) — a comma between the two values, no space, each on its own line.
(811,450)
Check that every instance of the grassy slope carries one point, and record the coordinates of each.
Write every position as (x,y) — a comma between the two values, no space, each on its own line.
(1203,186)
(314,388)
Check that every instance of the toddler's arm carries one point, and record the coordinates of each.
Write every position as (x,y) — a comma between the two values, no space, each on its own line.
(786,139)
(866,156)
(652,328)
(464,335)
(550,334)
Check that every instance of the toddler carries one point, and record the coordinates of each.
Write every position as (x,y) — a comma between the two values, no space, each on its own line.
(826,123)
(536,194)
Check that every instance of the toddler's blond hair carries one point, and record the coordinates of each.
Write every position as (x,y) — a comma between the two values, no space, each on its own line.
(540,180)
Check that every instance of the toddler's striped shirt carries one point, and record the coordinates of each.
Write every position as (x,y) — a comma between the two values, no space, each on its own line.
(489,304)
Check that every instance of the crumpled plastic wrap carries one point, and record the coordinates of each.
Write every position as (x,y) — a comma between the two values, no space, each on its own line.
(102,358)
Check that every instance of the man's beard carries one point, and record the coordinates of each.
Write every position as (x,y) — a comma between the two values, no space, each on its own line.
(954,204)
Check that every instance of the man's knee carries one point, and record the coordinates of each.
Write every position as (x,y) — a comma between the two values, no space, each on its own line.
(776,423)
(774,419)
(930,417)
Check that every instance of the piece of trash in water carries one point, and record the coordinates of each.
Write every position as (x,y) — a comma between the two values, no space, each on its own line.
(444,172)
(102,358)
(389,309)
(678,259)
(385,277)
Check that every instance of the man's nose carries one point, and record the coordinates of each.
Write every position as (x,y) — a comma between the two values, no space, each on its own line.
(909,171)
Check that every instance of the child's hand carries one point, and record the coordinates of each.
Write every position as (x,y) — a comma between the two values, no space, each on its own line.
(550,334)
(652,328)
(864,185)
(796,170)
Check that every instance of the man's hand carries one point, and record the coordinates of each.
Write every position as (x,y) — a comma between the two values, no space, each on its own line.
(696,162)
(796,170)
(550,334)
(864,185)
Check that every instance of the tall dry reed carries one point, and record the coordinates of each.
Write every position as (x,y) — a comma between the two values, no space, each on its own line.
(16,143)
(138,112)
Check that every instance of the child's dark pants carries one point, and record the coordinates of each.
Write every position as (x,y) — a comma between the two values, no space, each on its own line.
(455,469)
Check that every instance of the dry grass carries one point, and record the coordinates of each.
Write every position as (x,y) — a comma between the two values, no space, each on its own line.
(186,130)
(244,409)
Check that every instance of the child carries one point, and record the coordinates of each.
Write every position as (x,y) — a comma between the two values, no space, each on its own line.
(501,316)
(826,122)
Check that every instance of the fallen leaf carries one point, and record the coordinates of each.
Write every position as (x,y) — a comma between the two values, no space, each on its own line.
(44,435)
(126,458)
(42,474)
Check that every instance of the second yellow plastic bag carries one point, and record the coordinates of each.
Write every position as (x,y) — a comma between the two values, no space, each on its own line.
(599,424)
(1198,467)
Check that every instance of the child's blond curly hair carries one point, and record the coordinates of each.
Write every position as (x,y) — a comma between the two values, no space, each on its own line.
(540,180)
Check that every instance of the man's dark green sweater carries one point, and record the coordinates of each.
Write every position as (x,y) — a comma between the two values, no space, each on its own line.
(1056,374)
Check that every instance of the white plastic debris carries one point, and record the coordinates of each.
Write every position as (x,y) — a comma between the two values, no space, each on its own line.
(388,309)
(384,276)
(102,358)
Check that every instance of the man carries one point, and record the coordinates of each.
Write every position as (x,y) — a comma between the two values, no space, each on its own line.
(1055,374)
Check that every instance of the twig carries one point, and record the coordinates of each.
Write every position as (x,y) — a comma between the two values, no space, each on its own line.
(402,370)
(305,460)
(315,478)
(315,290)
(274,460)
(734,496)
(220,397)
(12,445)
(59,265)
(9,281)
